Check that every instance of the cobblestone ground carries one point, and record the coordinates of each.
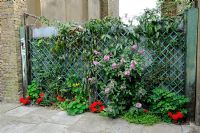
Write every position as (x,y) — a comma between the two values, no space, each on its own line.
(20,119)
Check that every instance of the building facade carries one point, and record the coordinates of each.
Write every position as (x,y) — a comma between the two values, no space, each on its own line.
(73,10)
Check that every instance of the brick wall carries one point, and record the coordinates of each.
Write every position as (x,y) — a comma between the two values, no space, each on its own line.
(10,58)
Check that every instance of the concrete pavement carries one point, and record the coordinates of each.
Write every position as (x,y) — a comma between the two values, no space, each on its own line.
(20,119)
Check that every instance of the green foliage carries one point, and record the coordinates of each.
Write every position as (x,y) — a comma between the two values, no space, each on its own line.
(33,90)
(112,83)
(145,118)
(78,106)
(110,37)
(162,101)
(80,102)
(47,100)
(160,36)
(63,105)
(138,116)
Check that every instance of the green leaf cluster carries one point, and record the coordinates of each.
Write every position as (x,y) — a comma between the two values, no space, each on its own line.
(33,90)
(162,101)
(138,116)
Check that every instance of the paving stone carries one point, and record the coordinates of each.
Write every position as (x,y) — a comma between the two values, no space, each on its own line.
(15,127)
(162,128)
(92,123)
(20,111)
(37,116)
(64,119)
(4,107)
(44,120)
(121,126)
(49,128)
(191,128)
(4,121)
(186,129)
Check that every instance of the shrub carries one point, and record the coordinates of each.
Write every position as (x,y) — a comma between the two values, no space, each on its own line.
(163,101)
(120,67)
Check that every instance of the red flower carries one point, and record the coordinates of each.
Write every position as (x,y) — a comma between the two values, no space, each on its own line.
(99,102)
(41,95)
(180,115)
(93,110)
(145,110)
(39,100)
(97,107)
(24,101)
(59,98)
(28,97)
(175,117)
(21,100)
(102,108)
(170,114)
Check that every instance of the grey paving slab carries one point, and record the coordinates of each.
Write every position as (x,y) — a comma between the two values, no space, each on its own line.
(4,107)
(191,128)
(49,128)
(162,128)
(21,111)
(38,116)
(62,118)
(186,129)
(15,127)
(121,126)
(33,119)
(92,123)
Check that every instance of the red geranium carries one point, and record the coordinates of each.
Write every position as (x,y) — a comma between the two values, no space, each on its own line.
(170,114)
(39,100)
(177,116)
(25,101)
(41,95)
(97,107)
(59,98)
(145,110)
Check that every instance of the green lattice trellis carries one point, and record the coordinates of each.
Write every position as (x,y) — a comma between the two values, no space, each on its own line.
(167,64)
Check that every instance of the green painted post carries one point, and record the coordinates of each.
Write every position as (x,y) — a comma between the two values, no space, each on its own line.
(191,47)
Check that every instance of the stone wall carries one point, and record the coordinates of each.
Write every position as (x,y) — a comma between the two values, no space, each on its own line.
(10,58)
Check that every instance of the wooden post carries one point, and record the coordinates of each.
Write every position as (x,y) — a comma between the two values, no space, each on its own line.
(197,112)
(191,44)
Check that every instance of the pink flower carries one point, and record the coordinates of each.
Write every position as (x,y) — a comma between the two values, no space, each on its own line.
(90,79)
(133,63)
(138,105)
(127,73)
(96,63)
(97,52)
(141,52)
(114,66)
(134,47)
(106,58)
